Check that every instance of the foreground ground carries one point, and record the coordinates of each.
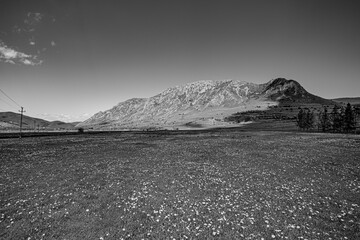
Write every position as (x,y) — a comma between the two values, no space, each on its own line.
(205,185)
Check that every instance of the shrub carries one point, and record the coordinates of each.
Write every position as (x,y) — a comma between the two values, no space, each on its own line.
(247,119)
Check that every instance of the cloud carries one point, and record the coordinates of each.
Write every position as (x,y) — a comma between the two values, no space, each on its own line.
(29,24)
(17,29)
(32,41)
(12,56)
(27,62)
(32,19)
(27,36)
(10,61)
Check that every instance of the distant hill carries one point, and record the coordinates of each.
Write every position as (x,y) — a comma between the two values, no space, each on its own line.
(202,104)
(61,125)
(351,100)
(11,120)
(28,122)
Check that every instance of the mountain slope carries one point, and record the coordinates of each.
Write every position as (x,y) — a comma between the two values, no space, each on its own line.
(61,125)
(28,122)
(200,101)
(11,120)
(284,90)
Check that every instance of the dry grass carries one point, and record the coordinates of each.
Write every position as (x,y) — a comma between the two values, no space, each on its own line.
(215,185)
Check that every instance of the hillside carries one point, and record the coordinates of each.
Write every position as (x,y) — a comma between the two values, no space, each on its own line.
(61,125)
(28,122)
(201,104)
(352,100)
(11,121)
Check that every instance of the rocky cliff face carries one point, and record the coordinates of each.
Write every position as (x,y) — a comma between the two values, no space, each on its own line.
(198,100)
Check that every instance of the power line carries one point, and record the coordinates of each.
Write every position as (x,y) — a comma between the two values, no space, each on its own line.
(10,97)
(8,103)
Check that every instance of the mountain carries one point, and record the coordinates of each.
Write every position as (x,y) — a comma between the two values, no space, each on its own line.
(28,122)
(284,90)
(61,125)
(202,103)
(11,120)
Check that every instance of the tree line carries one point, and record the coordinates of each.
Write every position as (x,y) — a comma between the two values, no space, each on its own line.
(340,119)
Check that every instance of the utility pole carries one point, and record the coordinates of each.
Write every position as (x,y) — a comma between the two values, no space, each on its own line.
(355,117)
(21,117)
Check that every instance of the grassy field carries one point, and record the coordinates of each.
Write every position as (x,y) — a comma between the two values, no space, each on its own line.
(198,185)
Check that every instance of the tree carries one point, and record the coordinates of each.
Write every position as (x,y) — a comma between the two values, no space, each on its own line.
(300,121)
(305,119)
(309,119)
(336,121)
(324,120)
(342,119)
(349,118)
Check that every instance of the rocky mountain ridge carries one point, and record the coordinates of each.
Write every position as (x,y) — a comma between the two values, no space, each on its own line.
(203,100)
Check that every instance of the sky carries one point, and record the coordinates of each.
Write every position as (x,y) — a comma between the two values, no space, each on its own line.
(69,59)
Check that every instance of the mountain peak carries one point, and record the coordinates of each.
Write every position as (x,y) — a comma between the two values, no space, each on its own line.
(280,81)
(281,89)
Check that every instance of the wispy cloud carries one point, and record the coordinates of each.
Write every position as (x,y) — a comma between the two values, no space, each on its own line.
(12,56)
(33,18)
(29,24)
(27,37)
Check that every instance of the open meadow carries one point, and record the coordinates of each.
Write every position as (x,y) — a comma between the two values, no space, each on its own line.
(218,184)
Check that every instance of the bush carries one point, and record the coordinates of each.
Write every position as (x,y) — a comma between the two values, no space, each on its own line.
(247,119)
(80,130)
